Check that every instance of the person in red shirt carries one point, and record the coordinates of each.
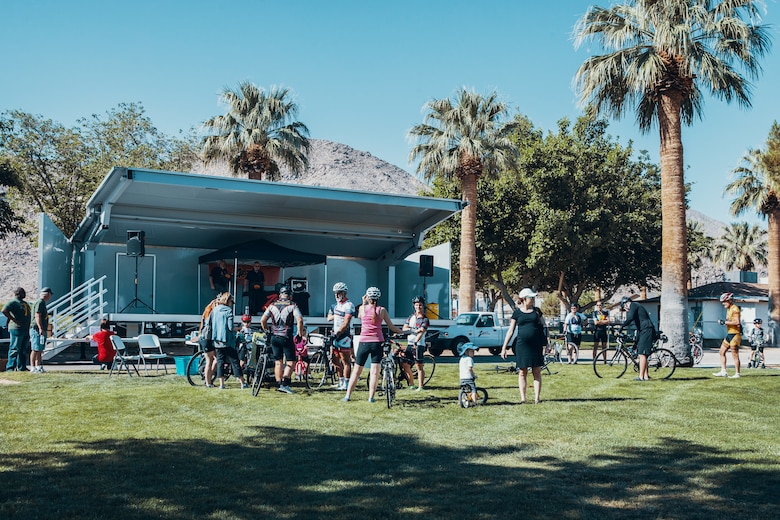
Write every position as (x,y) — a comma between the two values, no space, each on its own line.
(105,350)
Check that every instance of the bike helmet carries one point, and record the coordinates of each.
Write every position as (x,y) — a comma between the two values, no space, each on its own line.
(757,321)
(340,287)
(726,296)
(463,347)
(418,299)
(246,318)
(284,290)
(373,293)
(624,300)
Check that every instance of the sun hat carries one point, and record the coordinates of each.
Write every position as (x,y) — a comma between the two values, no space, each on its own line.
(462,348)
(527,293)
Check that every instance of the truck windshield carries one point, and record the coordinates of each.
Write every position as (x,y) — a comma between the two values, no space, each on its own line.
(466,319)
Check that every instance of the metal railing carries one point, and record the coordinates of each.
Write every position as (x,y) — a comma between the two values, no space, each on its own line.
(72,315)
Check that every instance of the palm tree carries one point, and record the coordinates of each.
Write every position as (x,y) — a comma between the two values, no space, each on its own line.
(756,186)
(258,132)
(460,140)
(742,246)
(659,54)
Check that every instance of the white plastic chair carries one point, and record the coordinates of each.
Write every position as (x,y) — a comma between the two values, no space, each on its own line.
(122,358)
(149,349)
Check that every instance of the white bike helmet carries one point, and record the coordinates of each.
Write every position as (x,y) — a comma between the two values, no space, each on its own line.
(340,287)
(726,296)
(373,293)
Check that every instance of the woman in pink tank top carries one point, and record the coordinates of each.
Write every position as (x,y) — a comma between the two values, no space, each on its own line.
(371,318)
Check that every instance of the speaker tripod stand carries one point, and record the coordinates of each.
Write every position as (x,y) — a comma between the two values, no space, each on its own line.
(136,302)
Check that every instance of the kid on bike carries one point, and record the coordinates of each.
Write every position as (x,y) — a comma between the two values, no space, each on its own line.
(467,375)
(757,342)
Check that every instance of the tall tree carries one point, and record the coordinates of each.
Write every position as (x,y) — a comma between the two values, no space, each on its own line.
(742,246)
(460,140)
(258,132)
(756,187)
(57,168)
(658,53)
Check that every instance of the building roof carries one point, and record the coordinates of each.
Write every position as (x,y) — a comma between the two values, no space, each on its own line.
(207,212)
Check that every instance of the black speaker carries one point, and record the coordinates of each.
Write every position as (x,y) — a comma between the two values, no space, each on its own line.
(135,243)
(426,265)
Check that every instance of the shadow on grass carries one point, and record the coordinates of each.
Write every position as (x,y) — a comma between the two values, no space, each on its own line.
(300,474)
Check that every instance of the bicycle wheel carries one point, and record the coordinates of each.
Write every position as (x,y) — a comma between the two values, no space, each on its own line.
(196,370)
(315,377)
(661,364)
(429,366)
(698,353)
(464,397)
(614,367)
(261,368)
(388,386)
(569,354)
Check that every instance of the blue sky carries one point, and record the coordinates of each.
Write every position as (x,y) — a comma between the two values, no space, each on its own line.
(360,71)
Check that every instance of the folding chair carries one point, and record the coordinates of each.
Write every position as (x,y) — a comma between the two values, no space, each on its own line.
(149,349)
(122,358)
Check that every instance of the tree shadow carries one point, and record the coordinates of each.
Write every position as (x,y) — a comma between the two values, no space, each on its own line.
(302,474)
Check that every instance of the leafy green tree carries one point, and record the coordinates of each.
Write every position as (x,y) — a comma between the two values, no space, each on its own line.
(258,132)
(58,168)
(659,53)
(755,187)
(576,213)
(461,140)
(9,221)
(699,246)
(742,246)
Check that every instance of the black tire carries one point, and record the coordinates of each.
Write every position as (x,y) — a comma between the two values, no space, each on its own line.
(436,351)
(661,364)
(388,386)
(494,350)
(261,368)
(614,367)
(564,354)
(315,376)
(429,364)
(456,346)
(197,364)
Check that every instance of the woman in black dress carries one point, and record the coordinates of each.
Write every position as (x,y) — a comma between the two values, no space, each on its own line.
(529,345)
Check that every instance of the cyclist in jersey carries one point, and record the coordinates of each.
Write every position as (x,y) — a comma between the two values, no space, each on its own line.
(282,315)
(340,314)
(733,339)
(416,326)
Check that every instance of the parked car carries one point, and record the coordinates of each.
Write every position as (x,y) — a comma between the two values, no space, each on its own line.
(481,328)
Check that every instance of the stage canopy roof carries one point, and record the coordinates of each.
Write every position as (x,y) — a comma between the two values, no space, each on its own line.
(214,213)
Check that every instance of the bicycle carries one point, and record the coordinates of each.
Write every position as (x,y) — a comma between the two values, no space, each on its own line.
(696,340)
(756,359)
(429,365)
(465,400)
(387,370)
(566,352)
(263,368)
(661,362)
(321,368)
(301,358)
(196,366)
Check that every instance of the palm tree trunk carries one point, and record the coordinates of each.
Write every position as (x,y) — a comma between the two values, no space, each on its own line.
(468,248)
(773,270)
(674,248)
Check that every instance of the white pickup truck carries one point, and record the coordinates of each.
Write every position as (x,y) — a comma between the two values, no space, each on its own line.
(481,328)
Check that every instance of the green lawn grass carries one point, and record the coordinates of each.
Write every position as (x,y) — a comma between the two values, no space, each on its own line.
(83,445)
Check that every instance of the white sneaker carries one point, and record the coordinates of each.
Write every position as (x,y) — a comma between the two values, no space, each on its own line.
(722,373)
(735,376)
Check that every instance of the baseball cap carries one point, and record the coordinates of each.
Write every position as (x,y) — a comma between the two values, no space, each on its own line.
(527,293)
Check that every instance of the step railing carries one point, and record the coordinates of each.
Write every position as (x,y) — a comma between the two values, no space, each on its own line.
(73,314)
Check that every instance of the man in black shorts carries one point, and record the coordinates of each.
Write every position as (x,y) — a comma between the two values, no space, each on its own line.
(637,315)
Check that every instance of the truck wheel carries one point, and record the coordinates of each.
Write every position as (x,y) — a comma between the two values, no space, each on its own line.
(456,346)
(494,350)
(435,351)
